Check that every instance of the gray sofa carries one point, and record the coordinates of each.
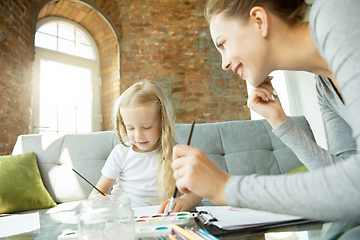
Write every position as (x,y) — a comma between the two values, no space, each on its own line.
(238,147)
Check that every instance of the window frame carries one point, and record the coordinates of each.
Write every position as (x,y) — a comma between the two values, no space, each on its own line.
(94,65)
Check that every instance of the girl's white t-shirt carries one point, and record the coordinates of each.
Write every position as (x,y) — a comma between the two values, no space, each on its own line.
(135,175)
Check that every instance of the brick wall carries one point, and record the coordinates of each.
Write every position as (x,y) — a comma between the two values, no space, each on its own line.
(16,54)
(169,42)
(166,41)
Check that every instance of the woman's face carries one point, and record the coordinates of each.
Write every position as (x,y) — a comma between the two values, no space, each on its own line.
(243,47)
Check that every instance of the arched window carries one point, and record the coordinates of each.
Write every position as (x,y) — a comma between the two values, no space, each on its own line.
(66,79)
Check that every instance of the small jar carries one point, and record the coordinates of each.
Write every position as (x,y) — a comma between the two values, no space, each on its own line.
(105,218)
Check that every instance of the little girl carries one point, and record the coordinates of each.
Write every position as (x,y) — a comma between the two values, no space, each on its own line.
(141,164)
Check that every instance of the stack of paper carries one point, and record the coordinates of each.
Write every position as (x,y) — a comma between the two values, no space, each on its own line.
(17,224)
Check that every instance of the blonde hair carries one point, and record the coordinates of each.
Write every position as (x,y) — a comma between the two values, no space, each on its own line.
(290,11)
(144,94)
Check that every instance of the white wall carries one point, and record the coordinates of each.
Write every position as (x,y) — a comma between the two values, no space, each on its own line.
(303,101)
(297,95)
(279,83)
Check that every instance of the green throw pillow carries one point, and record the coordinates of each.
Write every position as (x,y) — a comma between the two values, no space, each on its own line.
(298,169)
(21,187)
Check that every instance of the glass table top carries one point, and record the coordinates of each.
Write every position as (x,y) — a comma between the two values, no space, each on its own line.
(54,224)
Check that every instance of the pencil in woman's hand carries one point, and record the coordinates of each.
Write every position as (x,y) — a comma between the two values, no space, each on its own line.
(172,201)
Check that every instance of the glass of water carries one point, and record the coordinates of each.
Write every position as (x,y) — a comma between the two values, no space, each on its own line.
(103,218)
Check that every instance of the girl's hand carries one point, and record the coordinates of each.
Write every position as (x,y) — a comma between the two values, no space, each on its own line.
(264,100)
(96,195)
(179,206)
(104,184)
(195,172)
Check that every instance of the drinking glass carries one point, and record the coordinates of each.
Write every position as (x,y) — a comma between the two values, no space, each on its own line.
(104,218)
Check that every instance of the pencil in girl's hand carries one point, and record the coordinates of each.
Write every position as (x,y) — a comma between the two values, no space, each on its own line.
(172,201)
(89,182)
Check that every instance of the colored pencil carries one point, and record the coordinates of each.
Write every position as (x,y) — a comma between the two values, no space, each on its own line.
(194,234)
(200,234)
(172,237)
(208,234)
(178,235)
(183,232)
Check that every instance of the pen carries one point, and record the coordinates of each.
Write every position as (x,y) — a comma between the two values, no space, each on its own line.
(89,182)
(172,201)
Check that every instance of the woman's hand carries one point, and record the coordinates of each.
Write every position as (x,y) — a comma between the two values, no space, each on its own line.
(264,100)
(179,206)
(195,172)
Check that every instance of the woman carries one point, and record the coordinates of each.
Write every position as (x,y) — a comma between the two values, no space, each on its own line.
(254,38)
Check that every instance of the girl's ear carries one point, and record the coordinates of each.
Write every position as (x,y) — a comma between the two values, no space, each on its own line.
(260,17)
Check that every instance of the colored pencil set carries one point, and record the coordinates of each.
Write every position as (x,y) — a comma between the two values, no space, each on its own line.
(179,233)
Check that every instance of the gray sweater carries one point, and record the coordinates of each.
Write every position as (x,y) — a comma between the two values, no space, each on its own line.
(331,190)
(339,134)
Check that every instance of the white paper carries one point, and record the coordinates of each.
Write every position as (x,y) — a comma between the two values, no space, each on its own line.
(145,211)
(16,224)
(235,218)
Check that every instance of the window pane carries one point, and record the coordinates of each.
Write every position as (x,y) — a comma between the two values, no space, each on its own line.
(47,108)
(84,51)
(48,96)
(83,122)
(83,88)
(75,100)
(49,28)
(67,97)
(48,70)
(66,31)
(66,46)
(70,39)
(66,121)
(80,38)
(45,41)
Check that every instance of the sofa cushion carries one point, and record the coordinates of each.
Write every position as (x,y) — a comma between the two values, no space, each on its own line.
(21,186)
(58,153)
(299,169)
(244,147)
